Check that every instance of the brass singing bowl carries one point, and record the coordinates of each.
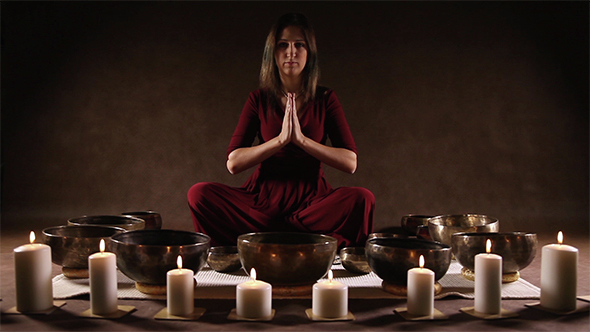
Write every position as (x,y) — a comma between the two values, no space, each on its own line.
(411,222)
(71,245)
(391,258)
(287,259)
(146,256)
(441,228)
(224,259)
(518,249)
(153,220)
(127,222)
(354,260)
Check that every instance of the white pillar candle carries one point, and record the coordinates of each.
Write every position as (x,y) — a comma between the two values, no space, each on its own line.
(488,282)
(102,269)
(559,276)
(254,298)
(32,271)
(330,298)
(180,290)
(421,290)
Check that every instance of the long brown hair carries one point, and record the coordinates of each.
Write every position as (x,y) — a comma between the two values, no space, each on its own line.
(269,72)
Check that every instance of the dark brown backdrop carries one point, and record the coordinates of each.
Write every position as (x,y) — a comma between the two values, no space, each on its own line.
(456,107)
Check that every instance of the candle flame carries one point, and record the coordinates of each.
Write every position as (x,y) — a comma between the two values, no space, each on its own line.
(488,246)
(101,245)
(421,261)
(179,262)
(560,237)
(330,275)
(253,274)
(32,236)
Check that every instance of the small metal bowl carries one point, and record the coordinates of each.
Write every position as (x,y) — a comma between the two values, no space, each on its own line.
(354,260)
(71,245)
(391,258)
(127,222)
(411,222)
(224,259)
(518,249)
(441,228)
(153,220)
(146,256)
(287,259)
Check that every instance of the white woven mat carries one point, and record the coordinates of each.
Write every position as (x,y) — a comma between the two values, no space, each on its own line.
(214,285)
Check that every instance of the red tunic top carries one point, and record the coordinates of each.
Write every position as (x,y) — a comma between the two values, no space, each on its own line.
(291,178)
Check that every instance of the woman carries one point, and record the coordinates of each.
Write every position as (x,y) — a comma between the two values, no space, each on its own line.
(292,117)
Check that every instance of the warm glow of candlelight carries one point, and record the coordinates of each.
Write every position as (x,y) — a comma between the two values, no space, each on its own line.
(488,246)
(253,274)
(330,275)
(560,237)
(32,237)
(179,262)
(101,245)
(421,261)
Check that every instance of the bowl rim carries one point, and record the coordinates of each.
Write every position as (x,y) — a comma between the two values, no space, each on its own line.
(45,230)
(494,234)
(328,239)
(129,233)
(431,220)
(397,239)
(132,220)
(140,213)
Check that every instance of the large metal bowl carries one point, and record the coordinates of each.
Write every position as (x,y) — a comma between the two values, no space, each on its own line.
(391,258)
(128,222)
(287,259)
(441,228)
(147,255)
(411,222)
(517,249)
(153,219)
(71,245)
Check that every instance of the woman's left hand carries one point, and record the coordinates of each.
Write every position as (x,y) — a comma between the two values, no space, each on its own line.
(297,136)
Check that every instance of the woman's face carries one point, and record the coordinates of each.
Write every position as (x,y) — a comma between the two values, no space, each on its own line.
(291,52)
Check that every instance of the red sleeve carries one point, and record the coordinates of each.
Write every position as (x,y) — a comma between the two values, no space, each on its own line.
(336,125)
(248,125)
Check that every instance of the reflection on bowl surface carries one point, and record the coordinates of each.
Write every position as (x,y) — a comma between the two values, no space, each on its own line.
(147,255)
(224,259)
(71,245)
(441,228)
(391,258)
(518,249)
(287,259)
(128,222)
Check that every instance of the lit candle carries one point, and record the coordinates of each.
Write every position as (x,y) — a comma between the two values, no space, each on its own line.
(330,298)
(559,276)
(32,270)
(180,290)
(488,282)
(254,298)
(102,269)
(421,290)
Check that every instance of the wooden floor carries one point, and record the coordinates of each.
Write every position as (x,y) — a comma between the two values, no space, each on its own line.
(371,315)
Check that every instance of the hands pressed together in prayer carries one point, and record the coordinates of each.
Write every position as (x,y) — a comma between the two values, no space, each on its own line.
(291,130)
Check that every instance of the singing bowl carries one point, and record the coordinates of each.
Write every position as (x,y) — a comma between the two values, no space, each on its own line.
(153,220)
(71,245)
(441,228)
(517,249)
(391,258)
(354,260)
(411,222)
(224,259)
(386,234)
(287,259)
(127,222)
(146,256)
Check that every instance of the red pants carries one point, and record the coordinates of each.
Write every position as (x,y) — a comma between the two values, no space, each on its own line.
(224,212)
